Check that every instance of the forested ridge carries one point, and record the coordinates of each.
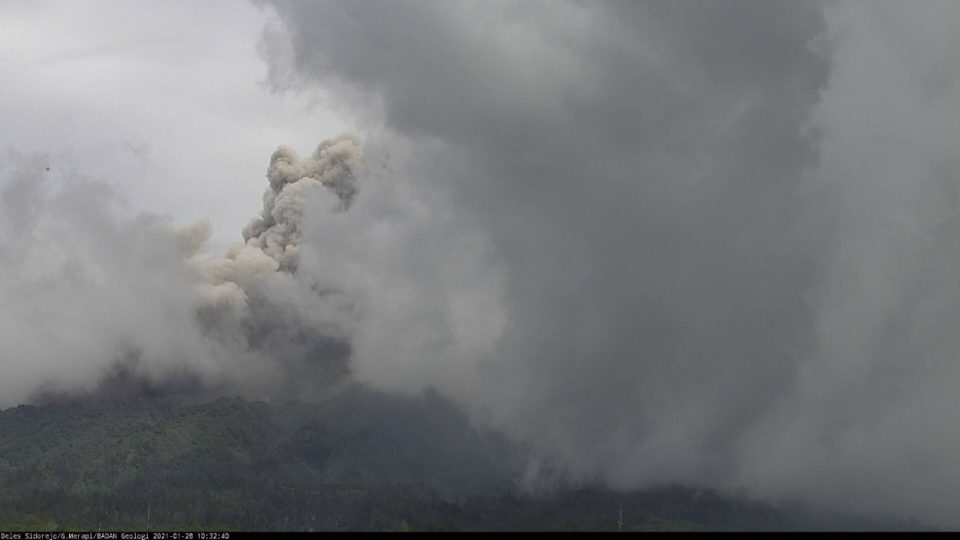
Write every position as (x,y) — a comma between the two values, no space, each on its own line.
(358,461)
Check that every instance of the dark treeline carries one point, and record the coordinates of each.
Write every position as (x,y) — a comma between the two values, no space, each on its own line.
(360,461)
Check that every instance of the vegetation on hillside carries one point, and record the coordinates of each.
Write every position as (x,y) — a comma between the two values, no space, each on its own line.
(359,461)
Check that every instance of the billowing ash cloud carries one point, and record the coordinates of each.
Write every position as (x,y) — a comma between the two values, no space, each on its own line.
(277,233)
(101,304)
(272,241)
(655,242)
(698,242)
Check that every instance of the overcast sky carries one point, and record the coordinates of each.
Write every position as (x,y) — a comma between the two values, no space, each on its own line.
(703,242)
(166,100)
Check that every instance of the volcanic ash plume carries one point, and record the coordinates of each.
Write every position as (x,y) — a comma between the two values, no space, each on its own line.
(252,295)
(272,241)
(93,292)
(662,242)
(278,231)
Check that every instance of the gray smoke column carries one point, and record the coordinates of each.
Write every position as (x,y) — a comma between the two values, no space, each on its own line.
(253,296)
(277,233)
(99,303)
(271,248)
(659,242)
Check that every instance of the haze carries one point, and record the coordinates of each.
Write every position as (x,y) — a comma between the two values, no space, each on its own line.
(696,242)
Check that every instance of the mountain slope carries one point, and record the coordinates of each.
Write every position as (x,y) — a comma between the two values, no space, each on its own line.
(358,461)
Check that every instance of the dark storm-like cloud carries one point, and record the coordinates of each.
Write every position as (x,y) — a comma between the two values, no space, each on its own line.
(658,241)
(628,191)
